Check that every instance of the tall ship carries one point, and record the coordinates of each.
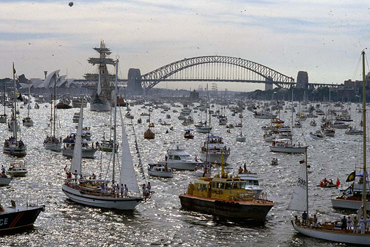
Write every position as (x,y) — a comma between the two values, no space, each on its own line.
(101,100)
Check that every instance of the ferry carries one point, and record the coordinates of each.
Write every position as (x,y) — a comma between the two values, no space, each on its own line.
(225,196)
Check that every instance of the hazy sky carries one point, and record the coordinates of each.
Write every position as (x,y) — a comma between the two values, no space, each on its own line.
(323,37)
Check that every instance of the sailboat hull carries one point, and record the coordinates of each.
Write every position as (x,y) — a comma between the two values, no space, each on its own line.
(86,153)
(335,236)
(101,201)
(56,147)
(5,181)
(289,150)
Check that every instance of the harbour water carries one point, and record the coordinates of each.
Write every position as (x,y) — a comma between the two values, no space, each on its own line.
(160,221)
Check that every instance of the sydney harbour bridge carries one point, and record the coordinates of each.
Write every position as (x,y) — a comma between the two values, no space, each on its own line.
(213,69)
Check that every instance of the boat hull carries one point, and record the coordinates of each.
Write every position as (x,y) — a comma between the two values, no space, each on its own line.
(100,106)
(212,158)
(292,150)
(5,181)
(335,236)
(18,152)
(75,195)
(190,166)
(160,174)
(232,210)
(19,217)
(348,204)
(56,147)
(86,153)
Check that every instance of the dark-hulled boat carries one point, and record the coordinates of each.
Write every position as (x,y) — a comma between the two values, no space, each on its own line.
(16,217)
(225,196)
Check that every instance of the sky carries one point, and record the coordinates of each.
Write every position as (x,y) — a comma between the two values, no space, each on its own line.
(323,37)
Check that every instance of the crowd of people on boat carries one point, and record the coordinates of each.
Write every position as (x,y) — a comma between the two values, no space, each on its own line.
(12,142)
(243,170)
(52,139)
(346,224)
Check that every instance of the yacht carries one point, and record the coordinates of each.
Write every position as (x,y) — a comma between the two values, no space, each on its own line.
(160,170)
(17,169)
(214,149)
(177,158)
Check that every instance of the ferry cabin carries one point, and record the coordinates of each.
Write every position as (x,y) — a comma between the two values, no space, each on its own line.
(220,188)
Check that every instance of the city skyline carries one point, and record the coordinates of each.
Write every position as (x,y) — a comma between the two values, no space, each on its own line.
(324,38)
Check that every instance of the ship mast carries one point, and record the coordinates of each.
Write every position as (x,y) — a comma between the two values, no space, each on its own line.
(364,192)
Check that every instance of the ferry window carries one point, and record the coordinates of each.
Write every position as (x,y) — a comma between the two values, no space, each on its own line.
(236,185)
(228,185)
(242,185)
(177,158)
(221,185)
(255,182)
(198,186)
(214,185)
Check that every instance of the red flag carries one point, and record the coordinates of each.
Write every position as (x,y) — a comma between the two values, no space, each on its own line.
(338,182)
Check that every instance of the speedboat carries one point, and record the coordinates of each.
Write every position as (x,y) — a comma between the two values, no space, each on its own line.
(177,158)
(17,169)
(160,170)
(353,131)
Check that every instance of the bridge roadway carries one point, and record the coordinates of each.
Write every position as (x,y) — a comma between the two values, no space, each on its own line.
(123,82)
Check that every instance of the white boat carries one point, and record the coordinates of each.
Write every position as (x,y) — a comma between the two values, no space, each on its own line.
(286,146)
(241,137)
(264,115)
(159,170)
(252,183)
(329,132)
(94,192)
(75,117)
(88,151)
(17,169)
(214,149)
(327,231)
(317,135)
(177,158)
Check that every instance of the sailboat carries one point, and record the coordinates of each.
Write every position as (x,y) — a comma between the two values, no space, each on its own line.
(3,116)
(204,128)
(241,137)
(12,145)
(52,142)
(27,121)
(300,200)
(149,134)
(94,192)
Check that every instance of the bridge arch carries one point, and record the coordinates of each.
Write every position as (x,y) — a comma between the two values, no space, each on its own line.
(149,80)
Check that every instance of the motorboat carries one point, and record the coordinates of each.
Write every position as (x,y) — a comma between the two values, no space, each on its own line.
(225,196)
(177,158)
(329,132)
(252,182)
(17,217)
(64,104)
(317,135)
(188,134)
(17,169)
(214,150)
(353,131)
(160,170)
(286,146)
(340,125)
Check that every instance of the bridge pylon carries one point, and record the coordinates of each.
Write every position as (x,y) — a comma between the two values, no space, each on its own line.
(134,82)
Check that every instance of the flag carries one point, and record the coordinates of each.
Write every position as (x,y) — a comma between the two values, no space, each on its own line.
(14,71)
(301,161)
(351,177)
(338,183)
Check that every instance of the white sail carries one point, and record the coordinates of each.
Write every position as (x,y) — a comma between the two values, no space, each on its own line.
(99,86)
(299,199)
(128,175)
(77,151)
